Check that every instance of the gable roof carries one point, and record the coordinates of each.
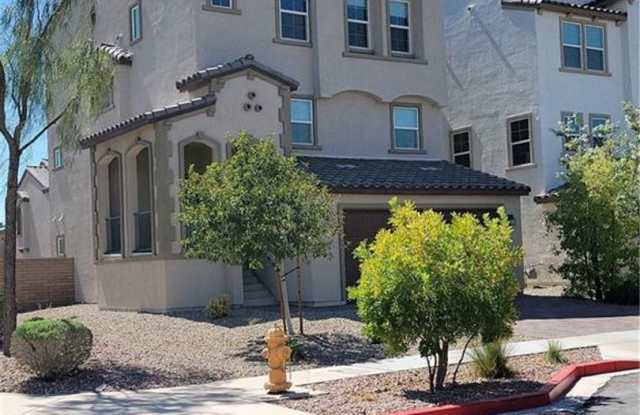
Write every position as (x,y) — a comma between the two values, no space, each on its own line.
(147,118)
(386,176)
(39,173)
(201,77)
(592,9)
(118,54)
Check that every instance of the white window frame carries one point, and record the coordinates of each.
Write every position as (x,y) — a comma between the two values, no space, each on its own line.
(58,159)
(61,247)
(307,122)
(230,6)
(580,47)
(357,21)
(135,36)
(454,133)
(416,129)
(510,122)
(603,49)
(282,10)
(407,28)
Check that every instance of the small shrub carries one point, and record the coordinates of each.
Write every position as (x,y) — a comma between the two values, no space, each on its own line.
(218,307)
(554,353)
(51,348)
(491,361)
(297,349)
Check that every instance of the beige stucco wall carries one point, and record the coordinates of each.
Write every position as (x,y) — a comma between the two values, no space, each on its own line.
(34,240)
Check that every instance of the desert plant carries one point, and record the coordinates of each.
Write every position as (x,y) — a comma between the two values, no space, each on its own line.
(491,361)
(554,353)
(433,283)
(218,307)
(51,348)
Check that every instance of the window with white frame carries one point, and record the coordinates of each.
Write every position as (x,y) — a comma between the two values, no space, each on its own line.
(400,26)
(583,46)
(461,147)
(60,246)
(597,122)
(227,4)
(135,22)
(520,141)
(573,122)
(294,20)
(358,24)
(58,159)
(406,127)
(302,121)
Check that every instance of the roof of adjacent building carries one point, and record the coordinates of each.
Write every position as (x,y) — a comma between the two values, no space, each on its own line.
(147,118)
(550,196)
(199,78)
(118,54)
(40,174)
(384,176)
(593,8)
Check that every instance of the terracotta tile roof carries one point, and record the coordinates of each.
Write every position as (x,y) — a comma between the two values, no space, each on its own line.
(199,78)
(386,176)
(590,8)
(147,118)
(118,54)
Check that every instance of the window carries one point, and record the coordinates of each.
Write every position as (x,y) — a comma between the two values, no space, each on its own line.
(302,121)
(520,141)
(143,216)
(19,220)
(596,124)
(358,23)
(198,155)
(58,160)
(583,46)
(228,4)
(399,27)
(573,121)
(461,146)
(406,128)
(114,220)
(60,246)
(294,20)
(135,23)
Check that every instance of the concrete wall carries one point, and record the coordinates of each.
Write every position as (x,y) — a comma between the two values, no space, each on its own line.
(42,282)
(34,240)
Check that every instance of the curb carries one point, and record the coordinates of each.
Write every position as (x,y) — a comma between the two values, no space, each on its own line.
(559,384)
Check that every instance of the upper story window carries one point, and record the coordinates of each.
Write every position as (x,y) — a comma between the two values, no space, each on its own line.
(358,24)
(135,22)
(58,159)
(583,46)
(406,128)
(400,26)
(461,147)
(294,20)
(520,151)
(302,121)
(228,4)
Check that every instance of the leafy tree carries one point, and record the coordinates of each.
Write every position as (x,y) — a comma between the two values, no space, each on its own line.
(257,208)
(46,79)
(597,212)
(433,283)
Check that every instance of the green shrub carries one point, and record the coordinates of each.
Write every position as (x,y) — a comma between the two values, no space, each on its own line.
(218,307)
(491,361)
(51,348)
(554,353)
(297,348)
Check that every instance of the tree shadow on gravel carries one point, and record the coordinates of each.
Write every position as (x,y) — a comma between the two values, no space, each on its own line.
(475,391)
(106,377)
(326,349)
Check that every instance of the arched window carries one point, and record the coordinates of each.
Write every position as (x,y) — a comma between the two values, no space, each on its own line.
(143,215)
(114,220)
(198,155)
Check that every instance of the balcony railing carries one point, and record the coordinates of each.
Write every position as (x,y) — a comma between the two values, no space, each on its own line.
(114,236)
(142,222)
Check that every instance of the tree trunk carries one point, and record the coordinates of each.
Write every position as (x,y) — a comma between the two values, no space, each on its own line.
(443,362)
(10,311)
(279,290)
(300,293)
(284,302)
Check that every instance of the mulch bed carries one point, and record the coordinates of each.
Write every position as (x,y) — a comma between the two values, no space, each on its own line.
(381,394)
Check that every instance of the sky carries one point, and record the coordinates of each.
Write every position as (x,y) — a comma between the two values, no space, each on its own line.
(37,152)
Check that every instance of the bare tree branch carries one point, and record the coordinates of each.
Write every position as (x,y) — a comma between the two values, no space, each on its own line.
(3,115)
(45,129)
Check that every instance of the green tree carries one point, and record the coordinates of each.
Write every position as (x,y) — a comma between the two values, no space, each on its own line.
(433,283)
(257,209)
(597,212)
(46,79)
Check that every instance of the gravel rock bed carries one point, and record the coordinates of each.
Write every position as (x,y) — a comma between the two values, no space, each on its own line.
(380,394)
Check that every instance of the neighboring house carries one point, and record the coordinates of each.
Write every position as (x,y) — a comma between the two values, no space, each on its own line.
(519,67)
(355,88)
(33,227)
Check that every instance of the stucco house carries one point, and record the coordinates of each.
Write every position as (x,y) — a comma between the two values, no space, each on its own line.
(516,69)
(355,88)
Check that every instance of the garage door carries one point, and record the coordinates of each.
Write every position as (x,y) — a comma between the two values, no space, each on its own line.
(360,225)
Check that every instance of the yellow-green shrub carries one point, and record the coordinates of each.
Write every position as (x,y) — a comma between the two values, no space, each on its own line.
(218,307)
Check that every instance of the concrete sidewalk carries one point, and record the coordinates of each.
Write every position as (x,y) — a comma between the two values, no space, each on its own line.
(244,396)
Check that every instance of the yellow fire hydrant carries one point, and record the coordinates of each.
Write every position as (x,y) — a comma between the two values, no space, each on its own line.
(277,354)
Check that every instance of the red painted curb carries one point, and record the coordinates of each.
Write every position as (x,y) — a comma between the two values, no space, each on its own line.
(559,384)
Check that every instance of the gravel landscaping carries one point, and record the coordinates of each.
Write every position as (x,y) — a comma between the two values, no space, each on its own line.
(381,394)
